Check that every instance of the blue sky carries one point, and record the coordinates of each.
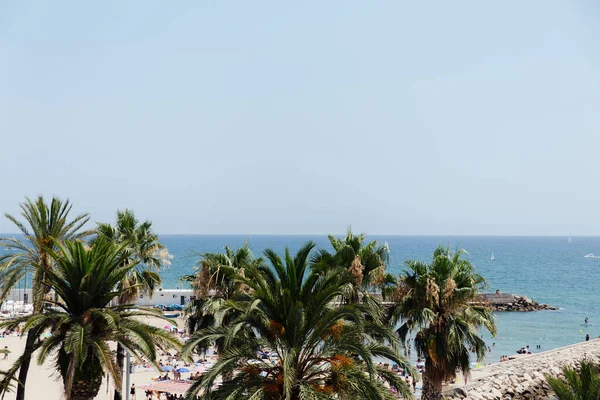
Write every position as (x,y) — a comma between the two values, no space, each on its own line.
(271,117)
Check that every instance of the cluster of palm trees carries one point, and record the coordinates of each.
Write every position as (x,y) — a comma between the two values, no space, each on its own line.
(82,292)
(331,318)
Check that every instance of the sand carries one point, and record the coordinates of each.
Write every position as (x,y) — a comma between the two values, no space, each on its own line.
(44,383)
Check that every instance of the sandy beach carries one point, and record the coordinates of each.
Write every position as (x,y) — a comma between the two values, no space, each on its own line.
(44,383)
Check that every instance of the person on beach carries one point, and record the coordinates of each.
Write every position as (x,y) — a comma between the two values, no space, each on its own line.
(587,338)
(407,380)
(5,353)
(132,391)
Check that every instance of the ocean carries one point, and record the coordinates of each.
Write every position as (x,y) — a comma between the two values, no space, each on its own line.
(546,269)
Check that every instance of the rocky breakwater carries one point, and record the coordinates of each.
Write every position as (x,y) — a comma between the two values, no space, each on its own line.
(511,302)
(523,378)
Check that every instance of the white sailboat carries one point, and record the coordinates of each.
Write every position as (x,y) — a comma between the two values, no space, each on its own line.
(492,258)
(569,239)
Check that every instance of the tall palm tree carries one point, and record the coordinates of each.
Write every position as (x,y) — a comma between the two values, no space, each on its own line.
(82,324)
(41,224)
(365,261)
(436,302)
(215,283)
(582,385)
(323,350)
(144,249)
(147,255)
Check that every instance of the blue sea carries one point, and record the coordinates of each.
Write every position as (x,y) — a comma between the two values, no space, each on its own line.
(546,269)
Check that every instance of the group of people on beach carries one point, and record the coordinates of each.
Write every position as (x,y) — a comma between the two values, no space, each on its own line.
(524,350)
(167,396)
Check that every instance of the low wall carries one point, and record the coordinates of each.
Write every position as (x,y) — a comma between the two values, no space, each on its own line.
(163,296)
(166,297)
(498,298)
(522,378)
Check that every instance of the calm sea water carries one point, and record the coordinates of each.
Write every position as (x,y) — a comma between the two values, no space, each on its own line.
(546,269)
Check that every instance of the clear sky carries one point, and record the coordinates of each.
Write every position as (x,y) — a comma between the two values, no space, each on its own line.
(398,117)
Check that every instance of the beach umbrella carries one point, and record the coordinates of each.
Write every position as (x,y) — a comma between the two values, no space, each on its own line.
(167,368)
(182,370)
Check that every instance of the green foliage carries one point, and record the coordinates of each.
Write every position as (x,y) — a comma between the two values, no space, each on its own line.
(43,225)
(435,302)
(366,263)
(214,283)
(324,351)
(82,322)
(580,383)
(144,249)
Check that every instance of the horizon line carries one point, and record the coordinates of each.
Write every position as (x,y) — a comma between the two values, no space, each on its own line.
(368,234)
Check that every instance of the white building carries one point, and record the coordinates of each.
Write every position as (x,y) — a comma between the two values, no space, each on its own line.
(166,297)
(160,296)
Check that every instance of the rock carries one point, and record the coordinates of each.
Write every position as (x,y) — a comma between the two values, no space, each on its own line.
(524,378)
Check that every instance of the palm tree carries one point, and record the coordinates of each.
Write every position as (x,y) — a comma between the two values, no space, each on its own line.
(42,223)
(323,350)
(147,255)
(436,301)
(214,284)
(144,249)
(582,385)
(81,324)
(366,262)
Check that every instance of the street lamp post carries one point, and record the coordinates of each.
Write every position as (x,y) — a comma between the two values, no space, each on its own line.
(127,373)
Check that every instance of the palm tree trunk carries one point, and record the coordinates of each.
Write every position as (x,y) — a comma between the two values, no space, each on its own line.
(432,388)
(120,362)
(87,380)
(31,336)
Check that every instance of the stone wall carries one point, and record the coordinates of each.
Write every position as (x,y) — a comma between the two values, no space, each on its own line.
(522,378)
